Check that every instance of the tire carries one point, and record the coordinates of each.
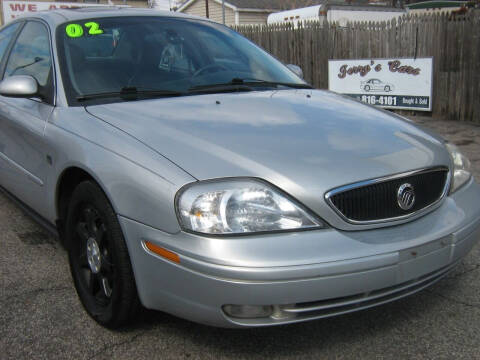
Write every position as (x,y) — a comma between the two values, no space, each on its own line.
(367,88)
(99,260)
(387,88)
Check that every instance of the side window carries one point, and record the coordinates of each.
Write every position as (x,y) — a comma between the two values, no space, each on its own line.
(31,54)
(6,36)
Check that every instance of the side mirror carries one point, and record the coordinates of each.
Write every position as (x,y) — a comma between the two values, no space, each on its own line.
(21,86)
(297,70)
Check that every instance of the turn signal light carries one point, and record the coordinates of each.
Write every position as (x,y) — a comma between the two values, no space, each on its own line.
(162,252)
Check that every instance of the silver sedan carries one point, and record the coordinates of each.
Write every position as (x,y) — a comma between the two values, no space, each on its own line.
(188,171)
(376,85)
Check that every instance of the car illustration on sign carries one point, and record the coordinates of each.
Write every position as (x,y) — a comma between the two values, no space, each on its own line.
(188,171)
(376,85)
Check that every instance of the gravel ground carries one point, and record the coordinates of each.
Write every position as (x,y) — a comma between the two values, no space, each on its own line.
(41,317)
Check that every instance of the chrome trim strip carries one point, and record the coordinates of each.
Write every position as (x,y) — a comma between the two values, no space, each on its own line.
(29,175)
(360,184)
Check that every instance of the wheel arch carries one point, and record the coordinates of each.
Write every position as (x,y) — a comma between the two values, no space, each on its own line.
(68,180)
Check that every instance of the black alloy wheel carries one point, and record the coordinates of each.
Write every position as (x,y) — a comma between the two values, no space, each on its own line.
(99,260)
(93,256)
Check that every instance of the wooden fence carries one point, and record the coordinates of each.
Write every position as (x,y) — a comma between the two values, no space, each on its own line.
(454,44)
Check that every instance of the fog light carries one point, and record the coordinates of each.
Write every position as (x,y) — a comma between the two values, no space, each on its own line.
(248,311)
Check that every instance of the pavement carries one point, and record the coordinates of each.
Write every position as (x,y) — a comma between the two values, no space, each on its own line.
(42,318)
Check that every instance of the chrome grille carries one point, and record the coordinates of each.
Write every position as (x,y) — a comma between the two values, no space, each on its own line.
(377,200)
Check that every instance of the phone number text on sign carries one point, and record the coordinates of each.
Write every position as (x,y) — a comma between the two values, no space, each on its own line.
(380,100)
(417,102)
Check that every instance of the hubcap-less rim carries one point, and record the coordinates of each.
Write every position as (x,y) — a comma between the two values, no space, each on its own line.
(94,260)
(93,256)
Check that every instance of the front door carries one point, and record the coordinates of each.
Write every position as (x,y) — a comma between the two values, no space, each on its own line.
(24,163)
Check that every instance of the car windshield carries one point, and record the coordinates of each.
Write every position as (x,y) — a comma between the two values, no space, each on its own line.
(117,58)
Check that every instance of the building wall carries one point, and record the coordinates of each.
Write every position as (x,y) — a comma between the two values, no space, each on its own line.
(345,16)
(198,8)
(215,10)
(133,3)
(252,18)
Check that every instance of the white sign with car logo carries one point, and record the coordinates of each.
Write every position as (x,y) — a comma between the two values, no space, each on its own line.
(397,83)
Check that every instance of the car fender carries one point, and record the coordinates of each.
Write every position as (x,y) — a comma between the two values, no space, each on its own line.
(140,183)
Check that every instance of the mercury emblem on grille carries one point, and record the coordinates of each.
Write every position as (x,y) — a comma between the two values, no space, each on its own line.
(406,196)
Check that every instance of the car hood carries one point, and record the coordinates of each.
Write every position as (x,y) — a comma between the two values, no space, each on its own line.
(304,141)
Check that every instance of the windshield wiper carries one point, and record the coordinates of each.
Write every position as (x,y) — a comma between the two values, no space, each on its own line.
(218,88)
(130,93)
(237,84)
(35,60)
(259,82)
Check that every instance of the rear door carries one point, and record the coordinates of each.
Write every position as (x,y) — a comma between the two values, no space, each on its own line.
(7,37)
(23,121)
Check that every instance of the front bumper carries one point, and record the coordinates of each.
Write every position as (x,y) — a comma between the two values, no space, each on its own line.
(304,275)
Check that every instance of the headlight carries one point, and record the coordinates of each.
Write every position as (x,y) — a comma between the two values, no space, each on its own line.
(239,206)
(461,168)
